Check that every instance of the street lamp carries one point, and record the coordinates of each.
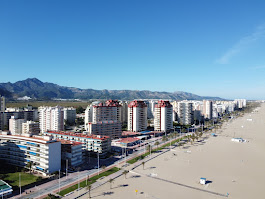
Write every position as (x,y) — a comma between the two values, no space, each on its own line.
(20,184)
(98,162)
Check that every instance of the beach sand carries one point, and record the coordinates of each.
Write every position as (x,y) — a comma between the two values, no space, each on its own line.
(234,168)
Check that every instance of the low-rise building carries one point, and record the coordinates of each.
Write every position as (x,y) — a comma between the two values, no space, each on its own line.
(43,153)
(15,125)
(5,189)
(31,128)
(90,143)
(71,152)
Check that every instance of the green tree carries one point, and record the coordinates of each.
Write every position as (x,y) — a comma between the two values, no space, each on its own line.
(148,148)
(29,166)
(125,173)
(80,110)
(164,138)
(110,182)
(143,163)
(156,143)
(89,190)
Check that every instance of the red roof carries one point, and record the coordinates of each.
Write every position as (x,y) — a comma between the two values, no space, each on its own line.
(109,103)
(124,133)
(128,140)
(80,135)
(137,103)
(162,103)
(69,142)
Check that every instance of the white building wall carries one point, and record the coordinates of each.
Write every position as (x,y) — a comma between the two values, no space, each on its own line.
(54,156)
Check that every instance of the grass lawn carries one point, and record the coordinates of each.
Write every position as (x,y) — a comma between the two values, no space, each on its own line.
(90,181)
(10,174)
(26,178)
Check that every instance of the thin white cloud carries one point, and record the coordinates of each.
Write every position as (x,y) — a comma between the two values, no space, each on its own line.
(243,43)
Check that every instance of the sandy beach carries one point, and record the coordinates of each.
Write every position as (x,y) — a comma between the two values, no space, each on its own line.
(233,169)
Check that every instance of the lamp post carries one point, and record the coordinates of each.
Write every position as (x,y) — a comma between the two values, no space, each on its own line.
(66,167)
(98,162)
(59,181)
(20,185)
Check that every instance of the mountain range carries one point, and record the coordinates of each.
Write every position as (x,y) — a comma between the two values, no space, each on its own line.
(36,89)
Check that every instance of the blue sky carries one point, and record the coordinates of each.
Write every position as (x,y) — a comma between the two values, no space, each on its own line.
(213,48)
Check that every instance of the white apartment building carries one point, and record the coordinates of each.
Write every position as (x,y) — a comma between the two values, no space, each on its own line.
(89,113)
(151,108)
(137,116)
(2,103)
(15,125)
(185,112)
(241,103)
(197,111)
(69,115)
(208,109)
(51,118)
(92,143)
(163,116)
(105,128)
(31,128)
(43,152)
(106,119)
(124,112)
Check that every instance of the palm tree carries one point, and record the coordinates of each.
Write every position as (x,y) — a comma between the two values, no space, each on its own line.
(148,147)
(29,165)
(143,164)
(164,138)
(110,182)
(193,137)
(156,143)
(89,189)
(125,173)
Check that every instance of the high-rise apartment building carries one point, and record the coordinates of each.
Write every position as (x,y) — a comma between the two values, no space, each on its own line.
(137,116)
(70,115)
(241,103)
(15,125)
(106,119)
(208,109)
(185,112)
(163,116)
(2,103)
(124,112)
(51,118)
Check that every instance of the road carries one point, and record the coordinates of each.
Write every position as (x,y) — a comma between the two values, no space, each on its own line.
(73,178)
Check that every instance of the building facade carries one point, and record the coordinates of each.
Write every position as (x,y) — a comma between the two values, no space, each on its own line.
(15,125)
(2,103)
(43,152)
(163,120)
(137,116)
(71,152)
(51,118)
(91,143)
(31,128)
(185,113)
(208,109)
(69,115)
(105,119)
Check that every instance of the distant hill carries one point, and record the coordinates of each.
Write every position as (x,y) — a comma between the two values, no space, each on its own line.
(37,89)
